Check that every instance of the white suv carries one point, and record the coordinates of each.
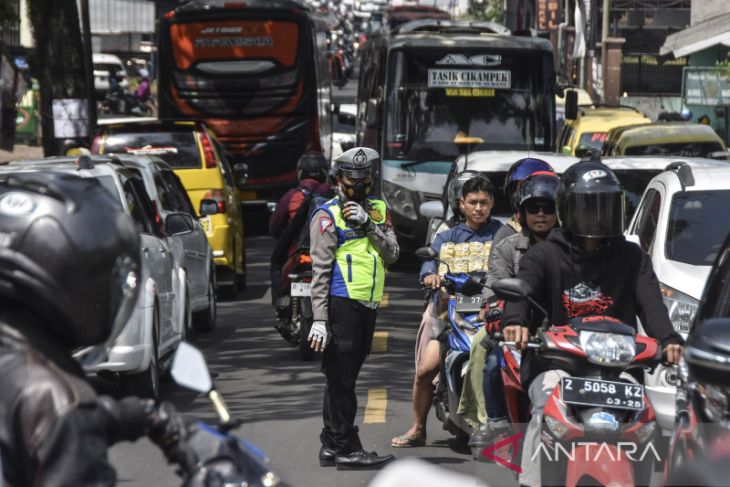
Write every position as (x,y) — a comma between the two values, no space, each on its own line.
(681,222)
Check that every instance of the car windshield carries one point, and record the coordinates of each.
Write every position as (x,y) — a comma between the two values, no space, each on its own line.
(431,101)
(593,140)
(696,228)
(179,149)
(682,149)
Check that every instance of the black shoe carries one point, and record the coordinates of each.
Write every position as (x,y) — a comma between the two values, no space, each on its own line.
(361,460)
(326,457)
(479,437)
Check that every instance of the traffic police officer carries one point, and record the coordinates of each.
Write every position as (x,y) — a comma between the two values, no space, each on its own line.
(351,243)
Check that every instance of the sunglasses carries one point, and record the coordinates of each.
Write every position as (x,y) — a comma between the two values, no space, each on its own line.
(534,207)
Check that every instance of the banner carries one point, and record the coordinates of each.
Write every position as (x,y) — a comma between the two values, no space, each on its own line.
(707,87)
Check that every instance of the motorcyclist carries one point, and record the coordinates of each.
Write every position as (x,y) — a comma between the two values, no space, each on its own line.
(475,204)
(584,268)
(312,174)
(142,93)
(517,173)
(352,241)
(536,212)
(69,274)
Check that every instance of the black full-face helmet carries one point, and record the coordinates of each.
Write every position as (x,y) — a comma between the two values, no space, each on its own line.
(69,252)
(312,165)
(591,201)
(518,172)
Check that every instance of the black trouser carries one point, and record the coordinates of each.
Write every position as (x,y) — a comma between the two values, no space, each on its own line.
(352,326)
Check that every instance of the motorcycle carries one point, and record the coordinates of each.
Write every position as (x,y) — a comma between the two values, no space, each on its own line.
(120,103)
(295,324)
(464,302)
(212,455)
(601,418)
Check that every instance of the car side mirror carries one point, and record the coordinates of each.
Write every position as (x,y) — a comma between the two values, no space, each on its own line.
(373,113)
(571,104)
(582,151)
(633,238)
(179,224)
(707,352)
(432,209)
(208,207)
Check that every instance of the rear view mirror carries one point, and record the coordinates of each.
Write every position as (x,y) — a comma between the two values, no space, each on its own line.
(426,253)
(707,352)
(208,207)
(432,209)
(190,370)
(571,104)
(179,224)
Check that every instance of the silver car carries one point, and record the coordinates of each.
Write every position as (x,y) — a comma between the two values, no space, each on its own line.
(194,256)
(143,350)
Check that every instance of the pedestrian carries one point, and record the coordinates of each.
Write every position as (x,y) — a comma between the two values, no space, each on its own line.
(352,241)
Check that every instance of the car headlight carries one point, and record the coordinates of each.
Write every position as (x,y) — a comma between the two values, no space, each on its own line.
(714,403)
(608,348)
(400,200)
(682,308)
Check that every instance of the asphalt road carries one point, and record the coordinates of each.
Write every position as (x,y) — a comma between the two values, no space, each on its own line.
(279,398)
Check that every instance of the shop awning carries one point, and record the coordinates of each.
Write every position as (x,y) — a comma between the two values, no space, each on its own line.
(708,33)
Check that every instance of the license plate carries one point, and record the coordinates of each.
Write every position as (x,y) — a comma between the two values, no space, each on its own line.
(468,304)
(594,392)
(205,223)
(301,289)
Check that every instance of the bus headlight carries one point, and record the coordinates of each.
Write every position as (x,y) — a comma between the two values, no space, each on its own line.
(400,200)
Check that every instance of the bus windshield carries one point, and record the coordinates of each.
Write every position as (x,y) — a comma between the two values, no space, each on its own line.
(436,96)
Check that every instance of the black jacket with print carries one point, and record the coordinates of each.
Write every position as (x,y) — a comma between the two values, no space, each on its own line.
(616,280)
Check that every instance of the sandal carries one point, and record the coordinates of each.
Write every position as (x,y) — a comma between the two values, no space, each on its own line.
(408,441)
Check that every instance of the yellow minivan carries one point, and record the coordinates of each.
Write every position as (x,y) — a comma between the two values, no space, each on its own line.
(201,163)
(588,131)
(684,139)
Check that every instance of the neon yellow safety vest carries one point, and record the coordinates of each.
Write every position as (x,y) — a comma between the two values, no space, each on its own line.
(359,271)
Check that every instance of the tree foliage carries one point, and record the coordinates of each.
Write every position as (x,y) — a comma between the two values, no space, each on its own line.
(57,60)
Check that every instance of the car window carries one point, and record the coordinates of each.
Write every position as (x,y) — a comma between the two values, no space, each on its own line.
(168,200)
(178,148)
(683,149)
(108,183)
(695,229)
(136,209)
(225,164)
(648,218)
(594,140)
(716,298)
(175,187)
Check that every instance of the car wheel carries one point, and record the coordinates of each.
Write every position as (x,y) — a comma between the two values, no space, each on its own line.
(205,320)
(147,382)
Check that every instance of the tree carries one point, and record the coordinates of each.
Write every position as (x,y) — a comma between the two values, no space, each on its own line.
(57,60)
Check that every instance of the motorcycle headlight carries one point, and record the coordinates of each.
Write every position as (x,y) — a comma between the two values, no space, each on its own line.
(400,200)
(715,403)
(682,308)
(608,348)
(602,421)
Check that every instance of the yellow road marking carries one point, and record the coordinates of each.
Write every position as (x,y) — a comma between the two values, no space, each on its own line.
(384,301)
(380,342)
(376,406)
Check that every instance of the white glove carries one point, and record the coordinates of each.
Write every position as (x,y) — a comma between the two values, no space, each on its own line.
(318,337)
(355,213)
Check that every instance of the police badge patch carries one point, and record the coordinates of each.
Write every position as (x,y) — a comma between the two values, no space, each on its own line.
(359,159)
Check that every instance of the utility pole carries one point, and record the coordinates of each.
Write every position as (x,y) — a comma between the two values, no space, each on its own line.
(604,23)
(88,70)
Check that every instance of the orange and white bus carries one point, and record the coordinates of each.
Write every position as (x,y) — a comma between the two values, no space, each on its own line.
(256,73)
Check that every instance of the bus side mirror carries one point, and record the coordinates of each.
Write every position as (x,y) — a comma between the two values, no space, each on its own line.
(373,113)
(571,104)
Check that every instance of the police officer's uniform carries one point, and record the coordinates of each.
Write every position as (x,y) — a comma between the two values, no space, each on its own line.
(348,263)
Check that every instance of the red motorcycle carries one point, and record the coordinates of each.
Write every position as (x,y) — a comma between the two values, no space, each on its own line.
(598,423)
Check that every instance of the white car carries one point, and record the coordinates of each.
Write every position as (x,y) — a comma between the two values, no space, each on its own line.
(681,222)
(104,64)
(143,350)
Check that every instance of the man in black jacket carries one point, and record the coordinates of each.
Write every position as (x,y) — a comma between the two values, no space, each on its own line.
(584,268)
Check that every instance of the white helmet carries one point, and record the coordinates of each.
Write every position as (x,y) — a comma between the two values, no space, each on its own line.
(144,73)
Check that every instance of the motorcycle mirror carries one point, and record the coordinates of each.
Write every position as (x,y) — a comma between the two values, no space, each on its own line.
(426,253)
(190,370)
(471,287)
(707,352)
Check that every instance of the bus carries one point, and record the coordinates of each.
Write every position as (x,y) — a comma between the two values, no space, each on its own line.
(432,90)
(256,73)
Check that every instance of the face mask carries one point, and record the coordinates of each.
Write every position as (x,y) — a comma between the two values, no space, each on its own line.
(355,192)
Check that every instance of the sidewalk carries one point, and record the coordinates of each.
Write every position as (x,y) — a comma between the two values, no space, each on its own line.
(21,152)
